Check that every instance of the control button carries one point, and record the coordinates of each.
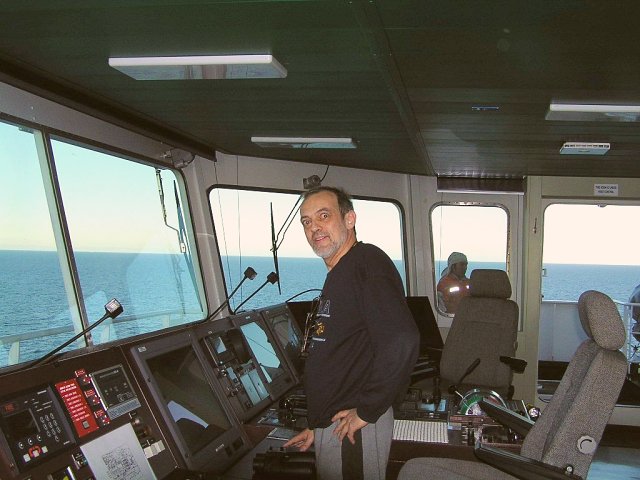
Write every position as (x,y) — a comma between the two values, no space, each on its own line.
(80,460)
(35,452)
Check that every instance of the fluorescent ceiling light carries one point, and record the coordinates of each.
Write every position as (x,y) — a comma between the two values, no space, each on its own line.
(584,148)
(586,112)
(303,142)
(199,67)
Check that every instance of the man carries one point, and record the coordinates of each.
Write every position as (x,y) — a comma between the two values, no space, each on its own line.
(453,284)
(364,346)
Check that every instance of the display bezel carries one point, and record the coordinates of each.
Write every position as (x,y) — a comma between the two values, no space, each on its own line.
(286,380)
(222,450)
(222,362)
(290,352)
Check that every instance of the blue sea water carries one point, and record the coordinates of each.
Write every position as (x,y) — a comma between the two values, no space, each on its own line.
(33,295)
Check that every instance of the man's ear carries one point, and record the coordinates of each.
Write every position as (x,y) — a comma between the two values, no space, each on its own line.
(350,217)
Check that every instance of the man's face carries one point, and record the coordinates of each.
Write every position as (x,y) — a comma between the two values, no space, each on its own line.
(459,268)
(325,228)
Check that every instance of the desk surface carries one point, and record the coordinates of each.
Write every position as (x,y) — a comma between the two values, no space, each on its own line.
(462,434)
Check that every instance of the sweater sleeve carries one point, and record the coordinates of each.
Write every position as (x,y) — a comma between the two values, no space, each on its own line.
(394,338)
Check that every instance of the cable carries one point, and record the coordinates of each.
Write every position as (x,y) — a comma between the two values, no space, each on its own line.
(303,292)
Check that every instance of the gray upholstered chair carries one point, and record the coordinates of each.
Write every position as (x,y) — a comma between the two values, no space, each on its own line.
(566,435)
(484,327)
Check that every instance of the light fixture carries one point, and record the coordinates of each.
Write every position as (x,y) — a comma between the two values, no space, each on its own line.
(584,148)
(587,112)
(199,67)
(304,142)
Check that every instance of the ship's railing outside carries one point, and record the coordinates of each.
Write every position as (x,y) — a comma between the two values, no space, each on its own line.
(106,331)
(561,332)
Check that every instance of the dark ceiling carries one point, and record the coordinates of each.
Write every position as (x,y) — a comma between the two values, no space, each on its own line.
(399,77)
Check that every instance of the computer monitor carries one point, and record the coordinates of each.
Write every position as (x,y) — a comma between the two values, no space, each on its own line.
(300,310)
(199,419)
(287,334)
(267,355)
(422,312)
(234,365)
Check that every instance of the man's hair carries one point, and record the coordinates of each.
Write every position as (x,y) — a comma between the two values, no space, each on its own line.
(344,199)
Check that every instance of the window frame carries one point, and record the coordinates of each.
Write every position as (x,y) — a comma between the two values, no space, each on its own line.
(79,318)
(244,188)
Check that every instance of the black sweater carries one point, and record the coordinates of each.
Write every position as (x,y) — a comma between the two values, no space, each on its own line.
(367,342)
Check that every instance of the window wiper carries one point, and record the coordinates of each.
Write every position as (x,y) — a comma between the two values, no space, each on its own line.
(274,248)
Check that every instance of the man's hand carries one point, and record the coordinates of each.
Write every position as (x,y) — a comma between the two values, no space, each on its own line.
(348,424)
(303,440)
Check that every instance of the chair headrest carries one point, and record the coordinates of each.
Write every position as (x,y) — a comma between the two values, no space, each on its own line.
(490,283)
(601,320)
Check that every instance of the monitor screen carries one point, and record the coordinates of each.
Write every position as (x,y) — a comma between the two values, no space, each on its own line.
(236,369)
(264,350)
(426,322)
(285,329)
(191,406)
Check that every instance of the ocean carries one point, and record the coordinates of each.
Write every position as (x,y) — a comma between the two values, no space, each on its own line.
(159,289)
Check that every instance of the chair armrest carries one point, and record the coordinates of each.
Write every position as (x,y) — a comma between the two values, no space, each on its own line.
(510,419)
(521,467)
(517,364)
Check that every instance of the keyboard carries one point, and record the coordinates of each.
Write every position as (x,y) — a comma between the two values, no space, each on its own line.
(420,431)
(282,433)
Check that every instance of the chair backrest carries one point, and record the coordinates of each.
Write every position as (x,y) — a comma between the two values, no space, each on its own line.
(485,326)
(571,425)
(426,322)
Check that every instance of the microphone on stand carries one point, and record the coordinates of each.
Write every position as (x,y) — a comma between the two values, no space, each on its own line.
(250,274)
(271,278)
(113,308)
(454,388)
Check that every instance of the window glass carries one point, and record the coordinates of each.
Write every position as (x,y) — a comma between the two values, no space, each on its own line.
(242,220)
(475,234)
(31,281)
(590,247)
(129,231)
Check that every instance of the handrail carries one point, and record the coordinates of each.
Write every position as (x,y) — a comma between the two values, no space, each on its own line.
(631,349)
(14,340)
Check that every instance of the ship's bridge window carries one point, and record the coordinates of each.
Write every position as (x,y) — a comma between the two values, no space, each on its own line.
(245,229)
(465,237)
(587,246)
(79,227)
(590,247)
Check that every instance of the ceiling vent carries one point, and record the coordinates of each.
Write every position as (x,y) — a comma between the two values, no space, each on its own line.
(583,148)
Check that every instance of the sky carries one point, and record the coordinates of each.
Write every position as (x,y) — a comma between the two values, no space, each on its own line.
(125,214)
(376,222)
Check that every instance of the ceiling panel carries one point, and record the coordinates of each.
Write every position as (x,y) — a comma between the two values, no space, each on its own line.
(398,76)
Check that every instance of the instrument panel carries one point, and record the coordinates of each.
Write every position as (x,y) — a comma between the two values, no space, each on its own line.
(170,404)
(53,418)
